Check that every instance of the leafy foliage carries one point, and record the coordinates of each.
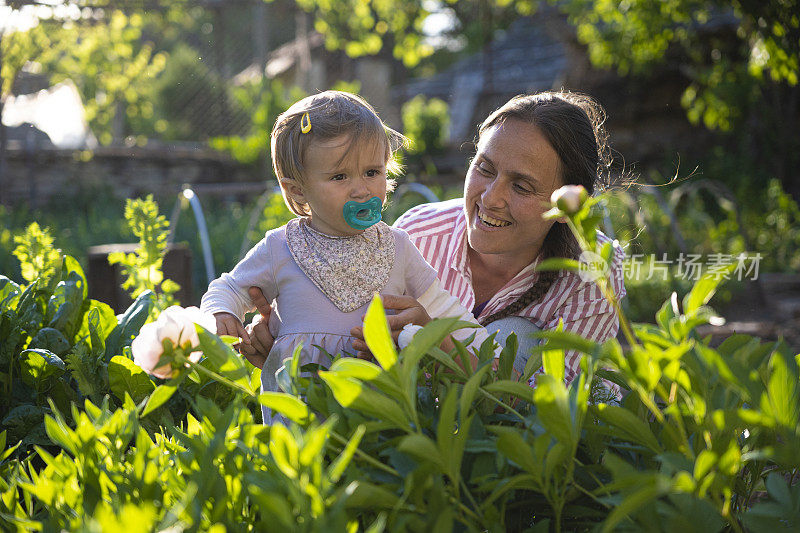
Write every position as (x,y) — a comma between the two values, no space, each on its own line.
(35,252)
(705,437)
(109,61)
(263,101)
(142,268)
(425,123)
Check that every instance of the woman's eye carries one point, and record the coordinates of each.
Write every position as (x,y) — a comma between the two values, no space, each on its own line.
(484,169)
(524,189)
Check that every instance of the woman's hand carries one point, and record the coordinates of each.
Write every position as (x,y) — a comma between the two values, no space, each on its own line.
(260,339)
(409,311)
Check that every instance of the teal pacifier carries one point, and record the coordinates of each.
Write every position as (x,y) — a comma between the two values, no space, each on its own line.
(361,215)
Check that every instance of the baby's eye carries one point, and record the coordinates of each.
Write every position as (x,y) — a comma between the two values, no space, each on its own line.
(371,173)
(338,177)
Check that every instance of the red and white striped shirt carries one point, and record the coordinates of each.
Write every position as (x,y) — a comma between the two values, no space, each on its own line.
(439,231)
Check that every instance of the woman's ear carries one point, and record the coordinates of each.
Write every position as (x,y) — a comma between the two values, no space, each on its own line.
(293,190)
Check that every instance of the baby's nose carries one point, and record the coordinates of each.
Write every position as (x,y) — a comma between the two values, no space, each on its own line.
(360,188)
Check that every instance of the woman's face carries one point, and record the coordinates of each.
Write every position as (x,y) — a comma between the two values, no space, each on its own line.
(507,190)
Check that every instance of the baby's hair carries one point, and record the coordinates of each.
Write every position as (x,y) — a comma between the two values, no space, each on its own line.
(331,114)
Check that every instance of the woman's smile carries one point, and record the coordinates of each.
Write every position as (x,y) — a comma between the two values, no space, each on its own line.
(489,220)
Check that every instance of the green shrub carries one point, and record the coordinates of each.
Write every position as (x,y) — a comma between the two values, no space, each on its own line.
(142,268)
(426,123)
(704,439)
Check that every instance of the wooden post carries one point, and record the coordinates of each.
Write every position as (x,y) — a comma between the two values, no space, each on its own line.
(105,280)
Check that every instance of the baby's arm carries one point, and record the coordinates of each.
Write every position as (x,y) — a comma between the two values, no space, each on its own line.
(441,304)
(227,297)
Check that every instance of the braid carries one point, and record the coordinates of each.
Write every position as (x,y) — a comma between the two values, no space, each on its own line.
(534,293)
(559,242)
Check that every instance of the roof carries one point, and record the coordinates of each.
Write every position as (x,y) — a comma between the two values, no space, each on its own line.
(524,59)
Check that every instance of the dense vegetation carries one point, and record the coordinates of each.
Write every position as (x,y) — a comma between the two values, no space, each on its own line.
(704,439)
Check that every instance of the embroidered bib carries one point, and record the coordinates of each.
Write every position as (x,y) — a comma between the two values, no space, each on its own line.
(348,269)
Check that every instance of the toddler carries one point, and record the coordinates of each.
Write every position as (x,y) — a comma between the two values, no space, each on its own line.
(332,156)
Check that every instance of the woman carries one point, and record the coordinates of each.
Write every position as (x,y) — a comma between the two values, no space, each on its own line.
(485,246)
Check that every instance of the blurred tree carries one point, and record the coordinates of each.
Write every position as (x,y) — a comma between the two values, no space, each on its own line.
(103,54)
(742,59)
(365,27)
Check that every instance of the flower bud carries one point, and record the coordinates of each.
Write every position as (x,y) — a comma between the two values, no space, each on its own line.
(569,198)
(174,324)
(409,330)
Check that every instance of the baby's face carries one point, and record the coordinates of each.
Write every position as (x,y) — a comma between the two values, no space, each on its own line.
(337,171)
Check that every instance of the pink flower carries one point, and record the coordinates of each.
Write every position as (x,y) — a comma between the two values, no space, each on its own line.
(569,198)
(175,324)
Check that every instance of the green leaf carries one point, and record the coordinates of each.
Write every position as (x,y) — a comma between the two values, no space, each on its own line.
(782,391)
(97,324)
(511,444)
(222,357)
(129,324)
(61,434)
(354,394)
(9,291)
(427,340)
(37,367)
(507,356)
(642,489)
(632,427)
(339,465)
(515,388)
(550,398)
(559,263)
(554,364)
(160,396)
(364,495)
(377,334)
(367,371)
(703,290)
(471,389)
(287,405)
(314,442)
(444,359)
(446,427)
(564,340)
(65,308)
(125,377)
(667,312)
(50,339)
(422,449)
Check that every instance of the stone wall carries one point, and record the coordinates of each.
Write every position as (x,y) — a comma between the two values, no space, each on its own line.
(34,176)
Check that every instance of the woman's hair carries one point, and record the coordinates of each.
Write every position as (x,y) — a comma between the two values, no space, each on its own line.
(331,114)
(573,125)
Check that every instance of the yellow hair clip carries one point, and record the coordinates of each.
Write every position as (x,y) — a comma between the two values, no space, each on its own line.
(305,123)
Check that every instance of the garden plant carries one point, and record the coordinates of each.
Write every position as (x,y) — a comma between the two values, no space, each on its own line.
(702,438)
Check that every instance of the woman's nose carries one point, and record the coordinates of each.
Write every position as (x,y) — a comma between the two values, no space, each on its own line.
(493,195)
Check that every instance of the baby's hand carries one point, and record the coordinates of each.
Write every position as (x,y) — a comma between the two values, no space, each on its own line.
(227,324)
